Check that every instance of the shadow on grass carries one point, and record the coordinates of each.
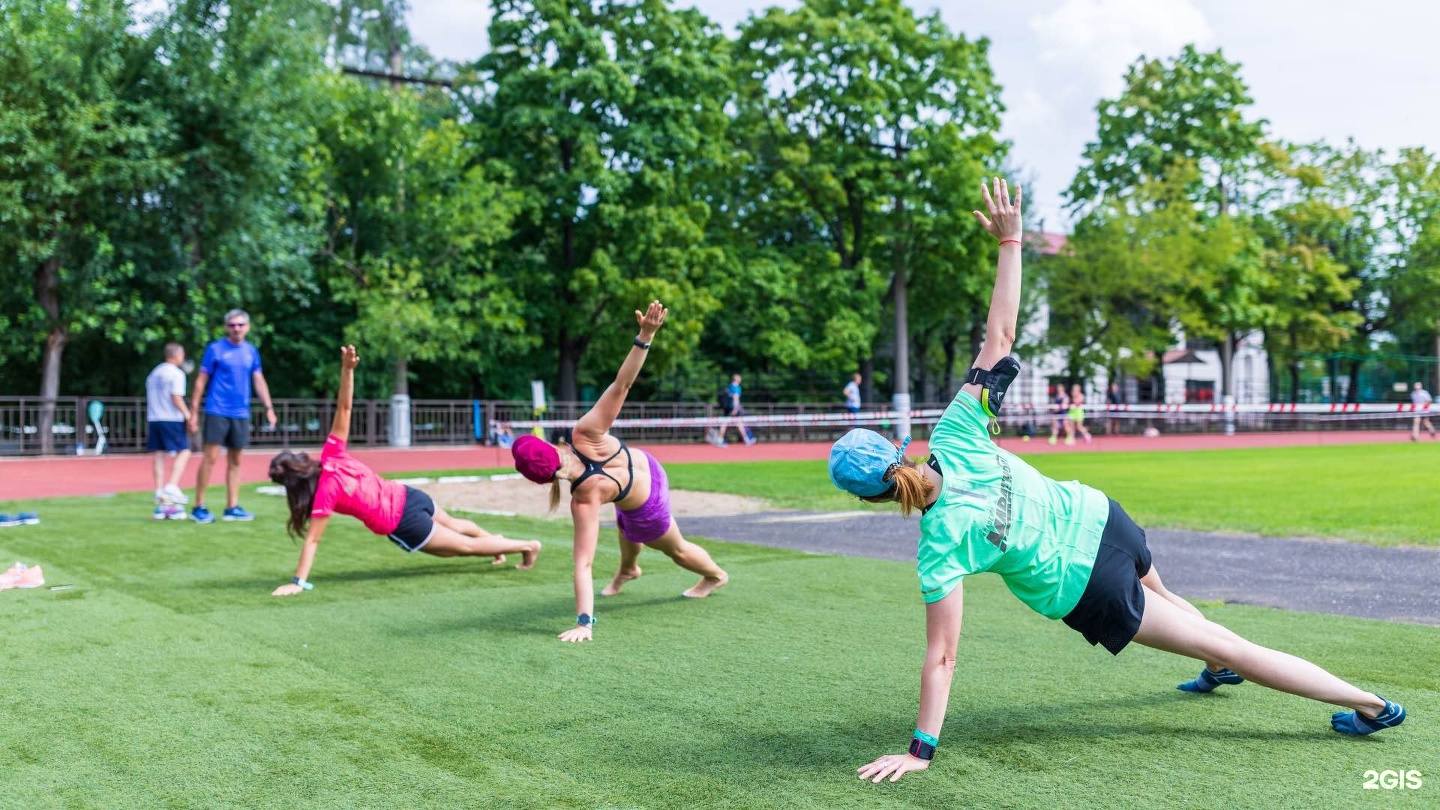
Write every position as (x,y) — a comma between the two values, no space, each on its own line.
(378,574)
(1000,736)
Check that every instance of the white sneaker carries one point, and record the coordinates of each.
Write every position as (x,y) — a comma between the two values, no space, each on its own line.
(175,494)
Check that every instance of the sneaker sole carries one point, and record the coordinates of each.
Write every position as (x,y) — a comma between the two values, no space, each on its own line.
(229,519)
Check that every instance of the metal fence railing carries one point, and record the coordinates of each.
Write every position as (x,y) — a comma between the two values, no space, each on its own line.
(305,422)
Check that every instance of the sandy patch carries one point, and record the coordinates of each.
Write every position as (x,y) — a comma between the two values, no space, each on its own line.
(524,498)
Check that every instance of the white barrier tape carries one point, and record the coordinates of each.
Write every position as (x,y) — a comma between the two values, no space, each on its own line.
(932,415)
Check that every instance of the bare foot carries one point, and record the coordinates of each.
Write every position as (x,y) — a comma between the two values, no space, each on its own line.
(499,560)
(527,557)
(707,586)
(621,577)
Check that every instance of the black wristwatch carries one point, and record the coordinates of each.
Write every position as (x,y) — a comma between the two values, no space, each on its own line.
(642,344)
(585,620)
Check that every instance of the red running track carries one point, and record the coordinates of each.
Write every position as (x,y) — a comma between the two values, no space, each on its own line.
(28,478)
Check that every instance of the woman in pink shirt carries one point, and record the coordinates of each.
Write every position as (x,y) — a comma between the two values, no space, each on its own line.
(338,482)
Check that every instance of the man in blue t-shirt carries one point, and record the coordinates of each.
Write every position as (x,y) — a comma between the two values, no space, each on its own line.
(227,371)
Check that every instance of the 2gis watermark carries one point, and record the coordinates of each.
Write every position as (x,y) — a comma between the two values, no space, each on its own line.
(1392,780)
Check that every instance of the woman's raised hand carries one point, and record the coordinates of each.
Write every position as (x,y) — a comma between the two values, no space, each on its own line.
(651,320)
(1004,219)
(348,358)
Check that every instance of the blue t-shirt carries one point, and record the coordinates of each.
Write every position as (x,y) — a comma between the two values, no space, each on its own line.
(230,368)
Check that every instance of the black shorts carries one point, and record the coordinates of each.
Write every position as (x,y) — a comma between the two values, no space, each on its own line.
(417,522)
(1109,611)
(227,431)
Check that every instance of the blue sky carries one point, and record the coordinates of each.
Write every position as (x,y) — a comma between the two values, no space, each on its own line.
(1318,69)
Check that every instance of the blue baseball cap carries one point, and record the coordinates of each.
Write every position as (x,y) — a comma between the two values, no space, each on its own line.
(860,461)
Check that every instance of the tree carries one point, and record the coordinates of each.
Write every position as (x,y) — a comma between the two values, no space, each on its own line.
(1308,290)
(77,144)
(1117,292)
(844,99)
(1184,120)
(613,113)
(411,218)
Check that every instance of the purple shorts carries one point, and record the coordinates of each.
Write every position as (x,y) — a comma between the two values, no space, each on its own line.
(651,520)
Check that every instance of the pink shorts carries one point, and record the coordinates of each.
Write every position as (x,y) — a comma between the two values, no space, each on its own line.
(650,520)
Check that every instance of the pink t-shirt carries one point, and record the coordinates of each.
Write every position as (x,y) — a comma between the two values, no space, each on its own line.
(350,488)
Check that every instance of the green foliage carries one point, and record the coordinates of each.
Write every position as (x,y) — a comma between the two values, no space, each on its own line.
(613,116)
(412,218)
(862,124)
(1184,115)
(80,143)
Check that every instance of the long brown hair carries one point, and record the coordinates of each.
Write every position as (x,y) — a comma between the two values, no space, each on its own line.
(299,474)
(911,488)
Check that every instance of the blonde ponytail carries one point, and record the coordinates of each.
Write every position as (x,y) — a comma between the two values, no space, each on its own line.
(912,489)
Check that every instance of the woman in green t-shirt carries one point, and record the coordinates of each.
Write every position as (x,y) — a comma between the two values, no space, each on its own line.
(1066,550)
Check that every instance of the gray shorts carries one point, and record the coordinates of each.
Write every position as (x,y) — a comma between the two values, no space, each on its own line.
(226,431)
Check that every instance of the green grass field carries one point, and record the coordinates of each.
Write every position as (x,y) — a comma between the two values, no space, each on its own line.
(1385,494)
(170,678)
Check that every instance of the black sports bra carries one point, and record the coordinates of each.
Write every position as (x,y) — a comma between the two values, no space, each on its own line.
(934,465)
(598,468)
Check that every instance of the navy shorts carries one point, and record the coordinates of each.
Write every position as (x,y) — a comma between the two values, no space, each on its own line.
(1109,610)
(230,432)
(417,521)
(169,437)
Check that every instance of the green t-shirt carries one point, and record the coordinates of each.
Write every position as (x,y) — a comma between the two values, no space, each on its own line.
(996,513)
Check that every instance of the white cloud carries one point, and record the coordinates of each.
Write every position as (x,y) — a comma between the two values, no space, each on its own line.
(1097,39)
(451,29)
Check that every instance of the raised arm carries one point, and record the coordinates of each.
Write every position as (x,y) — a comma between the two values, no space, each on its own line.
(597,421)
(340,428)
(1004,223)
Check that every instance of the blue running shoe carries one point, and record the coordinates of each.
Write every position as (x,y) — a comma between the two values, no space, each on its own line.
(28,518)
(237,513)
(1359,725)
(1207,681)
(159,513)
(202,515)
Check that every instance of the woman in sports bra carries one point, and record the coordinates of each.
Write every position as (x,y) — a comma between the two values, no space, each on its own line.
(1064,549)
(602,470)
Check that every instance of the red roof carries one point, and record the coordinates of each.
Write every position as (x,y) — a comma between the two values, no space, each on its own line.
(1048,243)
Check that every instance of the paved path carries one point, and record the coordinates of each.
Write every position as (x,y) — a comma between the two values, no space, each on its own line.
(1395,584)
(59,476)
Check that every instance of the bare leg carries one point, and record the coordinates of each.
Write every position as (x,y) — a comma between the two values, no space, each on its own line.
(178,468)
(693,558)
(629,568)
(232,477)
(1166,626)
(1152,581)
(160,469)
(202,475)
(446,542)
(469,528)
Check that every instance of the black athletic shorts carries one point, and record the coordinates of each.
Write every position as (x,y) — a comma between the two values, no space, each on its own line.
(233,433)
(417,522)
(1109,611)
